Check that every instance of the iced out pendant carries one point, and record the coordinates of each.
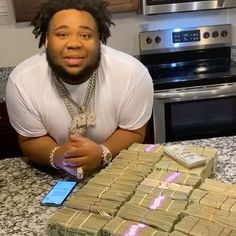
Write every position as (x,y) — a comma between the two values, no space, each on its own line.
(81,121)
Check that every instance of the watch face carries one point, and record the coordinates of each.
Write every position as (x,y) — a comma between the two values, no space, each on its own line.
(108,157)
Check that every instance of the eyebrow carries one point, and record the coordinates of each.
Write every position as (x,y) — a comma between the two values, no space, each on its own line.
(80,27)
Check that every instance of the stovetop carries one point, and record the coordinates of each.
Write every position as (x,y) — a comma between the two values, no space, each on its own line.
(183,57)
(190,68)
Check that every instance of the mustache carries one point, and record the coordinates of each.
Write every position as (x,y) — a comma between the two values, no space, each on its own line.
(78,78)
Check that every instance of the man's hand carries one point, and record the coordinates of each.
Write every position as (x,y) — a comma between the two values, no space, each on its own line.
(82,152)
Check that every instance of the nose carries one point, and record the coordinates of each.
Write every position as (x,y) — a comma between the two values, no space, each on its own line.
(74,42)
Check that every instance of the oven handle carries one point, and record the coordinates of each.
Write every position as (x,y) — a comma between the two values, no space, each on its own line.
(197,93)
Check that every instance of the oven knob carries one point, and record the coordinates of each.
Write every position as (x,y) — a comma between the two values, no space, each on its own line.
(206,35)
(215,34)
(158,39)
(224,33)
(148,40)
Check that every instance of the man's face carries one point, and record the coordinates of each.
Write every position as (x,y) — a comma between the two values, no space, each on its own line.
(72,45)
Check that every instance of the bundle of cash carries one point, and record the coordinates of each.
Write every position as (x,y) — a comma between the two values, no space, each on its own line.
(160,220)
(227,189)
(149,148)
(158,202)
(185,157)
(225,218)
(174,191)
(68,221)
(191,225)
(121,227)
(167,163)
(168,177)
(139,158)
(113,193)
(85,202)
(214,199)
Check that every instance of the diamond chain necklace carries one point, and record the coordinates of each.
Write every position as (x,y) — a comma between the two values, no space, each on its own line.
(80,117)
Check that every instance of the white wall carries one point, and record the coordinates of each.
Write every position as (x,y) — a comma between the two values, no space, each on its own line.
(17,41)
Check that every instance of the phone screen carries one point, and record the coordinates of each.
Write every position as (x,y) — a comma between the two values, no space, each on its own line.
(58,193)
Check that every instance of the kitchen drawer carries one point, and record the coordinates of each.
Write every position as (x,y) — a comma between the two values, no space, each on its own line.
(9,143)
(4,119)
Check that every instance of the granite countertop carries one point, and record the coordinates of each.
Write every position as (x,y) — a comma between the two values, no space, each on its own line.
(22,186)
(4,73)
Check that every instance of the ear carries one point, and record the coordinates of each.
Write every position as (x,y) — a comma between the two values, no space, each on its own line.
(46,41)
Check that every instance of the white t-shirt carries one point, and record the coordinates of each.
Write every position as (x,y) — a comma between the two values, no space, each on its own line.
(123,97)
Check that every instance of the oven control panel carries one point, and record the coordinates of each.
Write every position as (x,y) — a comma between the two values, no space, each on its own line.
(179,39)
(186,36)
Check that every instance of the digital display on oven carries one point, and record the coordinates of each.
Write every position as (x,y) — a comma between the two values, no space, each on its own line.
(186,36)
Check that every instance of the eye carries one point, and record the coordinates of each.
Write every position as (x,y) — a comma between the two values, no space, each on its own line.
(86,36)
(62,35)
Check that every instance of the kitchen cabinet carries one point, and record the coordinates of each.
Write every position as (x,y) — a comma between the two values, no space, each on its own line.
(124,5)
(25,10)
(8,138)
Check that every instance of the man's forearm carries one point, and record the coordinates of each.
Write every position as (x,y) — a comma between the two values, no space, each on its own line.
(37,149)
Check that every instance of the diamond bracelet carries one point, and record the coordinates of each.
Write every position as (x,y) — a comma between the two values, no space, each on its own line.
(51,157)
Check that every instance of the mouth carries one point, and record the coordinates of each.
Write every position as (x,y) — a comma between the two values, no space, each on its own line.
(73,60)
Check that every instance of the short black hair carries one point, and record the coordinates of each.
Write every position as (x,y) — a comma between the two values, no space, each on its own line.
(97,8)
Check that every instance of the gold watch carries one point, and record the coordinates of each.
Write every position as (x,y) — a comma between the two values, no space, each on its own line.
(106,155)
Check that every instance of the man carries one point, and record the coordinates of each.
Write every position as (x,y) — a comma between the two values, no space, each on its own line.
(79,103)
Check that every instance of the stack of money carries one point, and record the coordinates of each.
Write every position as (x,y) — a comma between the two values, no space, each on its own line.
(203,172)
(225,218)
(67,221)
(208,152)
(129,157)
(84,202)
(167,177)
(219,187)
(121,227)
(160,220)
(153,148)
(190,225)
(109,193)
(173,191)
(124,178)
(117,168)
(183,156)
(158,202)
(214,199)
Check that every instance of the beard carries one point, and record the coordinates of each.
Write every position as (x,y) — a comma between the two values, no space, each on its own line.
(69,78)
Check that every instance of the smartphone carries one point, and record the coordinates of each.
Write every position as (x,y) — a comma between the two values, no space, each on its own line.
(58,193)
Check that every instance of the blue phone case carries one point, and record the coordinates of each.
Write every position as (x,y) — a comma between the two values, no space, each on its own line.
(58,193)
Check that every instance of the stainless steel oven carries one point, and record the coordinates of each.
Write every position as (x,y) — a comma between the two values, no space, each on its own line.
(194,82)
(149,7)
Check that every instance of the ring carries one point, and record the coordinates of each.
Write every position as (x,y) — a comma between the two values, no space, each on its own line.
(80,173)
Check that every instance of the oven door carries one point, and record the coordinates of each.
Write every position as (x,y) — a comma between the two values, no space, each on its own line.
(149,7)
(195,112)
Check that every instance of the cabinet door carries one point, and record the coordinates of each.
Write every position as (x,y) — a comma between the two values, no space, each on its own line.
(8,138)
(25,10)
(123,5)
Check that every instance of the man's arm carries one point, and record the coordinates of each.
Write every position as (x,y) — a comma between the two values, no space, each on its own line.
(79,151)
(37,149)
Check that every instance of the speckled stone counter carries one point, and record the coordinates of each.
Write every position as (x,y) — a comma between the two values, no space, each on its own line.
(4,73)
(22,186)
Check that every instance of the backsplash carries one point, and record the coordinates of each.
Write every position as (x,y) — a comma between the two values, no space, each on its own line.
(4,73)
